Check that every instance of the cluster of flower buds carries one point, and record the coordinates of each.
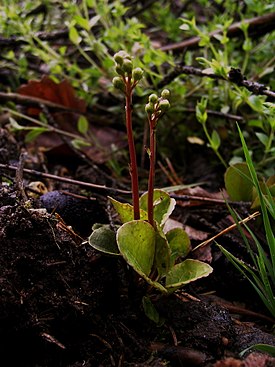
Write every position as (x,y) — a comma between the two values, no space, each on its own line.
(157,105)
(124,68)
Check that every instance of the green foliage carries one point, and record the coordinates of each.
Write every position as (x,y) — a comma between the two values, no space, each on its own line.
(213,139)
(262,274)
(265,348)
(148,249)
(98,29)
(238,182)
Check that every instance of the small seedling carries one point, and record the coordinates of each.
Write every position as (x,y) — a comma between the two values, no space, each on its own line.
(155,255)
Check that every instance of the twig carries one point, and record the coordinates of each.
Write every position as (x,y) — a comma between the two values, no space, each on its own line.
(65,179)
(234,76)
(257,27)
(51,339)
(209,200)
(173,172)
(252,216)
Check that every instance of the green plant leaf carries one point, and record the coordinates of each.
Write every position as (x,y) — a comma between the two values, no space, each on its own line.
(82,125)
(34,133)
(255,102)
(79,143)
(126,211)
(238,182)
(163,205)
(82,22)
(263,138)
(163,252)
(215,140)
(179,244)
(74,36)
(104,239)
(186,272)
(266,348)
(150,311)
(136,242)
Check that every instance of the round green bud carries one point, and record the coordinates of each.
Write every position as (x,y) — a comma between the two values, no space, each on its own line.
(165,93)
(137,74)
(118,59)
(127,66)
(164,105)
(149,108)
(120,56)
(119,70)
(153,98)
(118,83)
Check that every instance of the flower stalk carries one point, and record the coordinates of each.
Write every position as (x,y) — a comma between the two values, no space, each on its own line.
(155,108)
(126,81)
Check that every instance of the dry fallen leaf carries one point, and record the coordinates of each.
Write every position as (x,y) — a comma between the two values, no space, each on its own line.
(61,93)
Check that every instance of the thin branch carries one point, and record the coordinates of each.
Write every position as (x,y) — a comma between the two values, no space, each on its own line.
(65,179)
(234,76)
(226,230)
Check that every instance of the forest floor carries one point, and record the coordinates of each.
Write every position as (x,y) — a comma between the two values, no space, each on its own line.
(64,304)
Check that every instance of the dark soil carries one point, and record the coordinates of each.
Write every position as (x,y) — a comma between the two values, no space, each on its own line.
(63,304)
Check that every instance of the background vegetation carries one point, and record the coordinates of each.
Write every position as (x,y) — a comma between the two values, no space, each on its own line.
(189,47)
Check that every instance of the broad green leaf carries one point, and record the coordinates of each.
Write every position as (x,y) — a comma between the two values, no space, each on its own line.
(34,133)
(104,239)
(238,182)
(74,36)
(163,252)
(126,211)
(82,125)
(163,205)
(136,242)
(179,244)
(186,272)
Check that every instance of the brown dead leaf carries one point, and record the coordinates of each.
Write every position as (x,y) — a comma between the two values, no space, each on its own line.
(61,93)
(103,139)
(195,234)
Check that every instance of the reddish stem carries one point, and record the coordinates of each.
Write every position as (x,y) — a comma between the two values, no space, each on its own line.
(151,180)
(132,150)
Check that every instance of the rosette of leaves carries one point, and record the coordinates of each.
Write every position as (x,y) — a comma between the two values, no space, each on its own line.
(158,257)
